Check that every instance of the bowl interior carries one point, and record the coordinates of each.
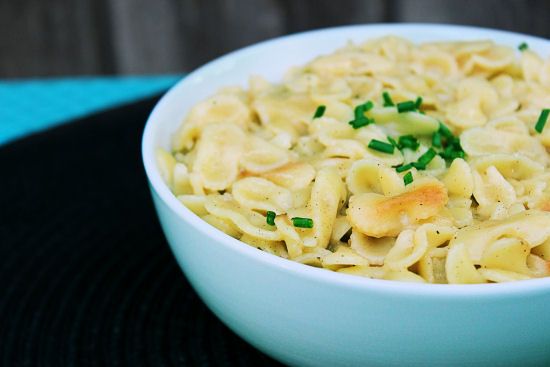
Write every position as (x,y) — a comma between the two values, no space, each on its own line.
(271,59)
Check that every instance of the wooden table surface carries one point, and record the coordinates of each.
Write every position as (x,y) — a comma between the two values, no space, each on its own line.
(72,37)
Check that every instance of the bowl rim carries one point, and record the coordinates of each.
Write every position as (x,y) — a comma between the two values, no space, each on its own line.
(158,187)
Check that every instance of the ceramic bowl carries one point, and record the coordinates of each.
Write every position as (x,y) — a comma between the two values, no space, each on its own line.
(304,316)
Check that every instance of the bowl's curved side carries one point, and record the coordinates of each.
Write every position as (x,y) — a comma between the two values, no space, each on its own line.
(309,322)
(306,316)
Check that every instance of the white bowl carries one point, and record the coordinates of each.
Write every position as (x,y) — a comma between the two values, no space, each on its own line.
(304,316)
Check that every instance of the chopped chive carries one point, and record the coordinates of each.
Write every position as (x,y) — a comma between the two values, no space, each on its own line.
(436,139)
(367,106)
(362,108)
(542,120)
(406,106)
(302,222)
(393,142)
(444,130)
(270,218)
(451,155)
(388,102)
(418,166)
(358,111)
(427,156)
(408,141)
(418,103)
(319,112)
(360,119)
(403,168)
(448,152)
(450,143)
(459,154)
(381,146)
(364,121)
(453,150)
(408,178)
(523,46)
(425,159)
(455,143)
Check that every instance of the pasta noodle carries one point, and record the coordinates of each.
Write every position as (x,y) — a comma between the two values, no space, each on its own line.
(386,160)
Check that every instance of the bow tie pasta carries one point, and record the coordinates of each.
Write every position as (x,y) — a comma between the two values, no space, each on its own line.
(387,160)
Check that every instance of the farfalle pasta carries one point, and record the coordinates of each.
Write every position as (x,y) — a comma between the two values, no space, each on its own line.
(386,159)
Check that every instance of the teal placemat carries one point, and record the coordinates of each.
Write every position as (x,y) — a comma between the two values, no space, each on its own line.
(28,106)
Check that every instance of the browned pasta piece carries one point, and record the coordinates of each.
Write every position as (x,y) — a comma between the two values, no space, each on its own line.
(378,216)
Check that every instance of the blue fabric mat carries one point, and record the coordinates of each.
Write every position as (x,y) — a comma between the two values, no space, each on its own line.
(27,106)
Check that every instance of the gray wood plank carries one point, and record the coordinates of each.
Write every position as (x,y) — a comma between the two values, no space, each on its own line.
(530,16)
(176,36)
(312,14)
(193,32)
(53,38)
(67,37)
(146,36)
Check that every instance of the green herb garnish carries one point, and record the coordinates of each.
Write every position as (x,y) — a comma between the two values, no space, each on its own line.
(450,143)
(542,120)
(408,178)
(453,151)
(436,139)
(356,124)
(406,106)
(523,46)
(408,141)
(425,159)
(302,222)
(403,168)
(444,131)
(360,119)
(319,112)
(418,103)
(270,218)
(381,146)
(393,142)
(388,102)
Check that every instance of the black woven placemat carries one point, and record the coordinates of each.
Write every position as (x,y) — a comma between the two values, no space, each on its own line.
(86,277)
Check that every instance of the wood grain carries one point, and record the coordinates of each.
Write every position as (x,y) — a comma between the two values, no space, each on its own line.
(68,37)
(524,16)
(54,37)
